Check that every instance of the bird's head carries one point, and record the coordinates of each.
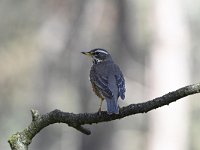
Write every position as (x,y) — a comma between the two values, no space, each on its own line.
(98,55)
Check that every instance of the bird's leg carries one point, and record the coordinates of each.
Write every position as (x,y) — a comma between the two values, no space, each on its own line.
(99,112)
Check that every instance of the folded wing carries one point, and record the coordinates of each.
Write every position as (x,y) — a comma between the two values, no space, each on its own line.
(121,86)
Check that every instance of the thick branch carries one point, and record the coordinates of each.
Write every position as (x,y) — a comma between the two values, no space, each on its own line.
(21,140)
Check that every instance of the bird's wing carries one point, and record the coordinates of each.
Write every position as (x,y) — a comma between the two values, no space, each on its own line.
(121,85)
(102,84)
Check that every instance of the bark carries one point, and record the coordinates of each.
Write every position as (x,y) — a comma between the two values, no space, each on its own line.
(21,140)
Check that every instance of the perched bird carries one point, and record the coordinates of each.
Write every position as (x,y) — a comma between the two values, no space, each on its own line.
(107,79)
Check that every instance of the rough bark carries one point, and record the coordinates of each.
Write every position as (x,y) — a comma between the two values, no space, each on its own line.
(21,140)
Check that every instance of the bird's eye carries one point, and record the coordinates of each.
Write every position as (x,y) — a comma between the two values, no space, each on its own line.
(97,53)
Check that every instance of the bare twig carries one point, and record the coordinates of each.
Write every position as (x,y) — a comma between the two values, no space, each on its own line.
(21,140)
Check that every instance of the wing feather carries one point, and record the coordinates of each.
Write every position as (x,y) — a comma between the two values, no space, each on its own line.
(102,84)
(121,86)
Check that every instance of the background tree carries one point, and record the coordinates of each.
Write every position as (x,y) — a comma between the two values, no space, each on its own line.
(42,68)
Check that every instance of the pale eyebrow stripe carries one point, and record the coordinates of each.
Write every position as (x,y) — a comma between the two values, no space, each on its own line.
(101,51)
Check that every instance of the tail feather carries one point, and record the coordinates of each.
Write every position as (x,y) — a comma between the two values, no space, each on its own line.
(112,106)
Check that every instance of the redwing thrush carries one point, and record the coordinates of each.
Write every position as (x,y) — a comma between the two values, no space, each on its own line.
(107,79)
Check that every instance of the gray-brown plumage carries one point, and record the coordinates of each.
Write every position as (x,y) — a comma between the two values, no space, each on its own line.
(107,79)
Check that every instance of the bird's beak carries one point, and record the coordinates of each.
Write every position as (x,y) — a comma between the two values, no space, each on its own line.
(87,53)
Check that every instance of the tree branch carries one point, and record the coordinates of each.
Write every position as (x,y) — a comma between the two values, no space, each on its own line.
(21,140)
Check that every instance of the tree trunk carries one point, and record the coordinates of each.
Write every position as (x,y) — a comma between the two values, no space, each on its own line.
(169,65)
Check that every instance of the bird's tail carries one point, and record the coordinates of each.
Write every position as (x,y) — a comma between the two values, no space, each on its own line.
(112,106)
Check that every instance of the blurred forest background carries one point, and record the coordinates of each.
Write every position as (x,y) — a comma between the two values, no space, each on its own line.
(156,44)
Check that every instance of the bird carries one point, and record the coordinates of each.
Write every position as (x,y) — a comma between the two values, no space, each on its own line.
(107,79)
